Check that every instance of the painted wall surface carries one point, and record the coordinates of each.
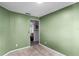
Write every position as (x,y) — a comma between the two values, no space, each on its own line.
(60,30)
(14,29)
(4,30)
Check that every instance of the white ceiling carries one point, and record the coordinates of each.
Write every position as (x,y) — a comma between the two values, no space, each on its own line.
(34,8)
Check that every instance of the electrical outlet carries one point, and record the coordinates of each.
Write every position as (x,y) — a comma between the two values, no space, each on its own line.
(16,45)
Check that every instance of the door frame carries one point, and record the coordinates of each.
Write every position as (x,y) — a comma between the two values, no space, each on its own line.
(39,30)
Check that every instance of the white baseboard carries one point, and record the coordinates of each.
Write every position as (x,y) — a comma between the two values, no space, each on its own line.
(59,54)
(15,50)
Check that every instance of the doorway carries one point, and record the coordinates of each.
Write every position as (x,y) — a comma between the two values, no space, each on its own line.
(34,32)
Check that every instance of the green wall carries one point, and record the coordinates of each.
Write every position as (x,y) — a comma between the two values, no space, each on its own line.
(4,30)
(14,29)
(60,30)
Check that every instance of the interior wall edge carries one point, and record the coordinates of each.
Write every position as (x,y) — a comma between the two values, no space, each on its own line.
(15,27)
(58,10)
(59,30)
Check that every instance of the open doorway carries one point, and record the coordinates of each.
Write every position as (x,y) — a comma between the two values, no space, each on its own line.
(34,32)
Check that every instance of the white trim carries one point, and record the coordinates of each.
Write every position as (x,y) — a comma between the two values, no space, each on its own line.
(39,31)
(15,50)
(60,54)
